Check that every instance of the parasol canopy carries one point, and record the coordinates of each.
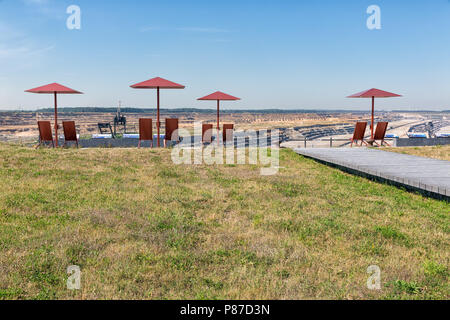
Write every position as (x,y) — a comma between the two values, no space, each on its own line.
(55,89)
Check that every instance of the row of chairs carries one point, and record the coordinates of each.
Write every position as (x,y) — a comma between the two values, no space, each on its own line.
(46,135)
(227,133)
(360,134)
(145,132)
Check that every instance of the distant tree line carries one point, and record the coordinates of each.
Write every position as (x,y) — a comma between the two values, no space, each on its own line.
(190,110)
(212,111)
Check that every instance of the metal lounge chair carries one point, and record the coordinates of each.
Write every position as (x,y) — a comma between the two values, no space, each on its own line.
(360,132)
(207,130)
(45,133)
(70,132)
(228,130)
(145,131)
(171,131)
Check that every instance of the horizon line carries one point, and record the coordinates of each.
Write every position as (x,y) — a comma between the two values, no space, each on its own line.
(186,109)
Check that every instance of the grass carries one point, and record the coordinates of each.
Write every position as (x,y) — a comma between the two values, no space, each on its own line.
(140,227)
(437,152)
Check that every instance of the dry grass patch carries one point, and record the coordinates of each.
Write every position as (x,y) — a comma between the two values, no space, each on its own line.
(437,152)
(142,228)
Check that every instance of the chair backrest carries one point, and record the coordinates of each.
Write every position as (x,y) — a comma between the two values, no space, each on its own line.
(380,132)
(360,131)
(207,130)
(45,131)
(146,129)
(228,132)
(70,132)
(171,128)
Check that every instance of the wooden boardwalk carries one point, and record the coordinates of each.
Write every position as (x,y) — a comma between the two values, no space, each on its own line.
(428,176)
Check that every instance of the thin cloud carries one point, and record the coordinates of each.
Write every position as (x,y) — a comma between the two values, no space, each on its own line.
(149,29)
(41,50)
(35,2)
(185,29)
(23,51)
(7,33)
(221,40)
(16,45)
(44,7)
(203,30)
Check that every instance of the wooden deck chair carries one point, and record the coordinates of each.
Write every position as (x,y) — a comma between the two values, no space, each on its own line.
(207,131)
(228,130)
(45,133)
(360,132)
(70,132)
(145,131)
(171,131)
(380,134)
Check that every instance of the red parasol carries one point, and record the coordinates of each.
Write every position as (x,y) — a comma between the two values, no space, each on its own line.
(218,96)
(54,88)
(374,93)
(157,83)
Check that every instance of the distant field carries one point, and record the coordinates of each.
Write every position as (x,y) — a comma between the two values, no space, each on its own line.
(22,126)
(438,152)
(142,228)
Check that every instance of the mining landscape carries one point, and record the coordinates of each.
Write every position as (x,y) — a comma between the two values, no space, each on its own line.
(295,126)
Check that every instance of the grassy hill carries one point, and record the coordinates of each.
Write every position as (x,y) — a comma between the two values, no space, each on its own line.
(142,228)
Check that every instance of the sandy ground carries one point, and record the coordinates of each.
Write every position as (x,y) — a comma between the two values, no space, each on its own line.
(19,126)
(22,126)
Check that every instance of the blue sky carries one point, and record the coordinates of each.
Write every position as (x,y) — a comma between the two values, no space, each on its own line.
(272,54)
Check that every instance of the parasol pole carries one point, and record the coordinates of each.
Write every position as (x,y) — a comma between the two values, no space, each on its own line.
(158,124)
(56,119)
(373,117)
(218,121)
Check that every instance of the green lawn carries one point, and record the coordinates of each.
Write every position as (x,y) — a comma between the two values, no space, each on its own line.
(142,228)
